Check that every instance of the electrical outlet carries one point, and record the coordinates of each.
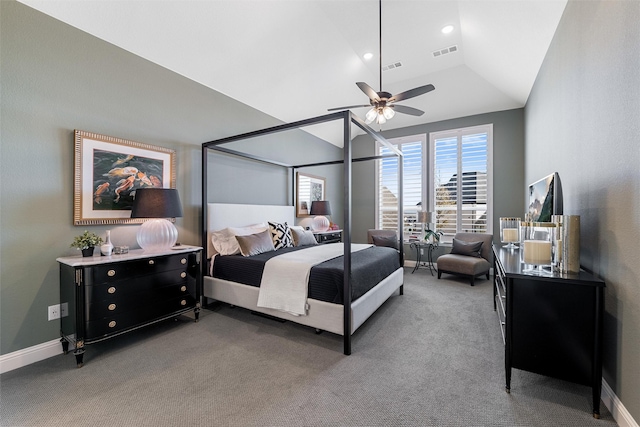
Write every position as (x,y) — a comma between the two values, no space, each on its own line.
(54,312)
(64,309)
(421,251)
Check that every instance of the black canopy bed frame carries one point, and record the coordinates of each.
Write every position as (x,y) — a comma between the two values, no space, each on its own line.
(348,119)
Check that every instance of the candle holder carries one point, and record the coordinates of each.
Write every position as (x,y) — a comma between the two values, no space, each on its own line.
(566,255)
(510,232)
(537,247)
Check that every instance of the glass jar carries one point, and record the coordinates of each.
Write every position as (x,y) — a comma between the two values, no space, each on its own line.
(510,232)
(537,247)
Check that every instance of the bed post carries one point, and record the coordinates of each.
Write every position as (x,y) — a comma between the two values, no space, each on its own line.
(401,214)
(346,234)
(205,243)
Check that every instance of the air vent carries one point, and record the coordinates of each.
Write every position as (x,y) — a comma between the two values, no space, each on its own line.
(392,66)
(444,51)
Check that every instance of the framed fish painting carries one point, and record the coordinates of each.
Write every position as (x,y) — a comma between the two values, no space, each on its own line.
(109,170)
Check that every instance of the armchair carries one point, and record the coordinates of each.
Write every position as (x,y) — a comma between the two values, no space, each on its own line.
(468,265)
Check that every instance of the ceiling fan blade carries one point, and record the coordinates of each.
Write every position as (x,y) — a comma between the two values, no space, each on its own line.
(411,93)
(368,90)
(407,110)
(349,107)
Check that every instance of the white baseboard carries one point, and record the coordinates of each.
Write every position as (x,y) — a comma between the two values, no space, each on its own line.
(617,409)
(27,356)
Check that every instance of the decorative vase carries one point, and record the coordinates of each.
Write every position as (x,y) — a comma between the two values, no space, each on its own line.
(107,248)
(87,252)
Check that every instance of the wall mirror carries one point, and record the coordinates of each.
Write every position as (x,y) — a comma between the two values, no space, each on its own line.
(309,188)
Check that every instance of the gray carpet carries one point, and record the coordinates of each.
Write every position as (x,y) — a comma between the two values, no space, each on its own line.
(432,357)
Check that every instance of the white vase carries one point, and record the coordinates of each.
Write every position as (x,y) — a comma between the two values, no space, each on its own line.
(107,248)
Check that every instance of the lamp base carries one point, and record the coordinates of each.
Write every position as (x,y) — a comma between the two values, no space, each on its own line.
(320,223)
(157,234)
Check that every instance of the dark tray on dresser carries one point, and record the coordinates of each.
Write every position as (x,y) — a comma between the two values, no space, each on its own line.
(109,296)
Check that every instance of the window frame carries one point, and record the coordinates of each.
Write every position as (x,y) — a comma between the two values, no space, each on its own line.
(459,134)
(398,142)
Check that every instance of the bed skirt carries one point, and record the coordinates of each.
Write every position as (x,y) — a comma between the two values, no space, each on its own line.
(321,315)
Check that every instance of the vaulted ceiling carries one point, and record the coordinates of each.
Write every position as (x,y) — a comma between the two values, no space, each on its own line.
(294,59)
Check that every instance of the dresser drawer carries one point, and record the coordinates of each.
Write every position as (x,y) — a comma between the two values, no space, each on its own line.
(112,272)
(121,288)
(145,314)
(100,308)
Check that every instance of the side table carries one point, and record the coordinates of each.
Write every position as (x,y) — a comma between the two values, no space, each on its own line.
(420,247)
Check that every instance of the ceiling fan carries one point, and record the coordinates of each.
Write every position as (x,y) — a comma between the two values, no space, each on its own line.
(383,103)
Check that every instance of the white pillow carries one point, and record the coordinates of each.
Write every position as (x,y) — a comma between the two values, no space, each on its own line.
(224,241)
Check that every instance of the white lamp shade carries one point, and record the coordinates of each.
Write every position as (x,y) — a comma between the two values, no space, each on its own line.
(156,235)
(388,113)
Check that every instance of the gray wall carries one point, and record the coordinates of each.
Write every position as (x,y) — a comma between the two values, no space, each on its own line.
(508,168)
(54,79)
(583,121)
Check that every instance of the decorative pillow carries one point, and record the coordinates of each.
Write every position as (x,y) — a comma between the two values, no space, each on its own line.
(255,244)
(281,235)
(389,242)
(224,242)
(302,237)
(461,247)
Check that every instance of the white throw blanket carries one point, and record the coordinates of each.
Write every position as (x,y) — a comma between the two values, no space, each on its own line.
(285,278)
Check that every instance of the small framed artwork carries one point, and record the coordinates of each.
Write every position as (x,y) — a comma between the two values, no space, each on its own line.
(109,170)
(309,188)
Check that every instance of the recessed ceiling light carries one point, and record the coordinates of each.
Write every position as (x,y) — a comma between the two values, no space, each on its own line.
(368,56)
(447,29)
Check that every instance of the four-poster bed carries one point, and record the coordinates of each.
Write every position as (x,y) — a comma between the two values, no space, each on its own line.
(343,318)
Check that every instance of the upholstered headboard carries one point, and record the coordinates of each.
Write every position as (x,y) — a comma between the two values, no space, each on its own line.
(223,215)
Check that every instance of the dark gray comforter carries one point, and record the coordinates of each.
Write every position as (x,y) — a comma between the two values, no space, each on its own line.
(368,268)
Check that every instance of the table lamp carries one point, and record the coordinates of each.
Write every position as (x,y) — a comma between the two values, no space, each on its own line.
(426,218)
(157,203)
(320,208)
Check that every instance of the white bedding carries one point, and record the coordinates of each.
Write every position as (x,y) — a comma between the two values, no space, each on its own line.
(285,279)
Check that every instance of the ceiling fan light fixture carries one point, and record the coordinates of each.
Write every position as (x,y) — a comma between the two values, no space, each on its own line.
(371,115)
(388,113)
(381,119)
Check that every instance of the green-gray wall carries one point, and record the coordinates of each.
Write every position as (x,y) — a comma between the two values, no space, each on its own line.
(583,121)
(508,167)
(55,78)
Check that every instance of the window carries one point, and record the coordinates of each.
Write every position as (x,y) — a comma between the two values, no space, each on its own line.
(413,149)
(461,178)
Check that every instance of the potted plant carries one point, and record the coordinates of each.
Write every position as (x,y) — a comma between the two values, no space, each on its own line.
(432,236)
(86,242)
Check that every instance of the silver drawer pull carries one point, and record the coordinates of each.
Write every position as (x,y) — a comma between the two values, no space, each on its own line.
(183,274)
(183,302)
(112,324)
(111,307)
(112,290)
(151,262)
(111,273)
(502,323)
(183,261)
(183,288)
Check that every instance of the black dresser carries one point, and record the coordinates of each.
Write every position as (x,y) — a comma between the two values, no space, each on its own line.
(551,323)
(109,296)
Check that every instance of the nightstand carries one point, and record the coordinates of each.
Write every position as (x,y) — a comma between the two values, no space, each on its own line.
(329,236)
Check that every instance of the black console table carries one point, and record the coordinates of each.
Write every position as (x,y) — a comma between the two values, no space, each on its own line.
(420,246)
(551,323)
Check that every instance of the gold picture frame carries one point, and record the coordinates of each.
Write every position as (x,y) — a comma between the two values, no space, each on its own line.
(107,172)
(309,188)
